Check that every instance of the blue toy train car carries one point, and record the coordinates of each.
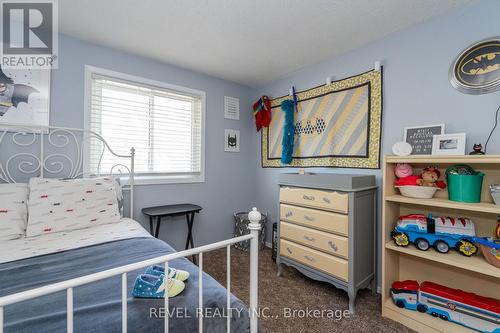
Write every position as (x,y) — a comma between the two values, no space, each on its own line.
(440,233)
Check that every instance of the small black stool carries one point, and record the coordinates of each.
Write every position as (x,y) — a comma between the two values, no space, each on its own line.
(159,212)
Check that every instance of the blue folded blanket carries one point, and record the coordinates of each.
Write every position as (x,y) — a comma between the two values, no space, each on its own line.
(98,305)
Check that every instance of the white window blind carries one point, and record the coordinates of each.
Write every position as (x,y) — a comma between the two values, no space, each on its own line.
(163,125)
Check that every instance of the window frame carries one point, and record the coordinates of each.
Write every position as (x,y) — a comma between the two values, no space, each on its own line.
(145,178)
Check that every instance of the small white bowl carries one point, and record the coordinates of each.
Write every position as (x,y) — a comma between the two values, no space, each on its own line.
(420,192)
(402,149)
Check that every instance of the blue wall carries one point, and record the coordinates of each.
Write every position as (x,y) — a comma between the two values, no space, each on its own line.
(416,91)
(416,86)
(228,185)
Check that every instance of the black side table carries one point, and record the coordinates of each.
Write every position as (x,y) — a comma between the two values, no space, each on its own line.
(159,212)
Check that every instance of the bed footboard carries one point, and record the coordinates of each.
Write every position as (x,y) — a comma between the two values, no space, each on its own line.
(68,285)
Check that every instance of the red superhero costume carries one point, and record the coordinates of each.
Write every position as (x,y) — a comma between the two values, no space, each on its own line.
(262,112)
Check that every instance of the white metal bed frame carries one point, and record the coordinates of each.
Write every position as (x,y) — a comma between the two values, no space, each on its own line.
(36,162)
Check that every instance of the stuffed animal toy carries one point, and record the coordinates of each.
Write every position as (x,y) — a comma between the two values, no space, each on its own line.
(410,180)
(429,177)
(262,112)
(288,107)
(403,170)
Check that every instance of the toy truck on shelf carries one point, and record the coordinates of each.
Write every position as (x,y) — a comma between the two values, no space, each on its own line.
(439,232)
(454,305)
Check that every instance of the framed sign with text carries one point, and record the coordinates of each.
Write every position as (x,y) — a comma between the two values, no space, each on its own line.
(420,138)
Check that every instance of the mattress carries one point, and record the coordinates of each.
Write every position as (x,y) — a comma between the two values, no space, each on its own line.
(97,306)
(27,247)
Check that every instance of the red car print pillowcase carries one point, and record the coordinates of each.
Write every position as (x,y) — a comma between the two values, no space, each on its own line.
(57,205)
(13,211)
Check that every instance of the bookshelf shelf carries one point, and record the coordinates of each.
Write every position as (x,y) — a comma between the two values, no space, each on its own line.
(483,207)
(475,263)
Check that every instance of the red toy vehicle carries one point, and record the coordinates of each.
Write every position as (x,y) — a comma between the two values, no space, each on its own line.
(467,309)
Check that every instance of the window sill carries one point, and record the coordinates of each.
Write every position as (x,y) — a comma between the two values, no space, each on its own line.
(163,179)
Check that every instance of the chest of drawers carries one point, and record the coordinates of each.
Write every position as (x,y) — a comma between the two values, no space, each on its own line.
(327,229)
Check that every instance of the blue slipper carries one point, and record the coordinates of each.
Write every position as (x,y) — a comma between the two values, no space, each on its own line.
(152,286)
(173,273)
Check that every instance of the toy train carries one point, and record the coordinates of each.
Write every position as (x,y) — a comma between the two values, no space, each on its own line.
(438,232)
(454,305)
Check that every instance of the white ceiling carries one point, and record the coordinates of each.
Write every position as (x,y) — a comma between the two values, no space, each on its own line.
(247,41)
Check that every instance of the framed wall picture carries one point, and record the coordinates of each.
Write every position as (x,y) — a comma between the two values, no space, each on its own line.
(449,144)
(420,138)
(25,96)
(232,140)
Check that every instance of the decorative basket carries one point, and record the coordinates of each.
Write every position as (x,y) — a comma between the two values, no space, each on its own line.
(491,254)
(241,222)
(420,192)
(495,193)
(464,184)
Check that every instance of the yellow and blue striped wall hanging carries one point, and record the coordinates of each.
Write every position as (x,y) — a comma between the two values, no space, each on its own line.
(336,125)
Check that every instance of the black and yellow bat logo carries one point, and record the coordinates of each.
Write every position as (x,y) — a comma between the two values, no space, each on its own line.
(482,64)
(477,69)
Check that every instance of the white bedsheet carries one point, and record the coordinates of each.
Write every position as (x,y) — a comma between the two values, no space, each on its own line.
(22,248)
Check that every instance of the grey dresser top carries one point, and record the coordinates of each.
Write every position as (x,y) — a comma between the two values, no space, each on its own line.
(329,181)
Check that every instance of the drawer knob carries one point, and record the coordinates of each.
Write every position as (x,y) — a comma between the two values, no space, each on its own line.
(333,246)
(309,258)
(325,199)
(289,251)
(288,214)
(309,238)
(308,197)
(309,218)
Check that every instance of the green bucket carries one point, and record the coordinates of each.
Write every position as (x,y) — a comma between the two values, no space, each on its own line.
(465,188)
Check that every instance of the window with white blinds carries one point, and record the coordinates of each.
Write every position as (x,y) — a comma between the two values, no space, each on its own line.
(164,126)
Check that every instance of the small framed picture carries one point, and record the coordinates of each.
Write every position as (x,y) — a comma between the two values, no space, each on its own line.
(232,140)
(449,144)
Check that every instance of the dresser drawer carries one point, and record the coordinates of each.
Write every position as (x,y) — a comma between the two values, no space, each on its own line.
(326,221)
(333,244)
(324,262)
(328,200)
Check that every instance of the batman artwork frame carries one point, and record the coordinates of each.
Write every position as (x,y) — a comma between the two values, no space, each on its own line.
(231,140)
(476,70)
(24,96)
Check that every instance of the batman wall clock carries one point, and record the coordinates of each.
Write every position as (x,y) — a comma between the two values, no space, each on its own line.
(477,69)
(24,96)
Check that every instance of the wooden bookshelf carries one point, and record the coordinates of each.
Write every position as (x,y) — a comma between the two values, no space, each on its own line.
(452,269)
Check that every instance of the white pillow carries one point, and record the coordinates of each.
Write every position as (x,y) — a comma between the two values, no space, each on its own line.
(119,195)
(67,204)
(13,212)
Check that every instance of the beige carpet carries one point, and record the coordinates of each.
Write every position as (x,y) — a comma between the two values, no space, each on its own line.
(293,291)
